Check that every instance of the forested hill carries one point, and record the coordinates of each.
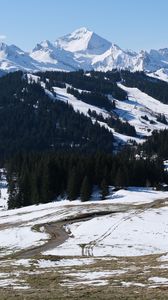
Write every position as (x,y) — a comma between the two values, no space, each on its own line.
(92,103)
(60,131)
(106,82)
(31,120)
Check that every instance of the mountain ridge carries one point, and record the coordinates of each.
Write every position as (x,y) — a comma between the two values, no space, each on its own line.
(82,49)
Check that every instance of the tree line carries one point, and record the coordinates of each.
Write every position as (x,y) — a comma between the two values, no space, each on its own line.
(113,121)
(95,82)
(43,177)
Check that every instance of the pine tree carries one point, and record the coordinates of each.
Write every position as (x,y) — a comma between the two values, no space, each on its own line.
(104,189)
(113,105)
(13,191)
(119,180)
(35,195)
(72,188)
(86,189)
(45,184)
(24,188)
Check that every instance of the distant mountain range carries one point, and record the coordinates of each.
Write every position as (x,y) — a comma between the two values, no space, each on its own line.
(83,49)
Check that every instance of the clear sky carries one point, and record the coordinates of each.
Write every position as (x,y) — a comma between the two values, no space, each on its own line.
(132,24)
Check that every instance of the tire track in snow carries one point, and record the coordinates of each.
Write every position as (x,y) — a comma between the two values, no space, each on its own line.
(88,248)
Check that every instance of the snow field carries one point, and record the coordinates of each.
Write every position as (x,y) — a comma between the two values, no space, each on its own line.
(135,233)
(17,225)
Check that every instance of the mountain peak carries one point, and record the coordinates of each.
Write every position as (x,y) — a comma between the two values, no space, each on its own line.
(7,51)
(43,45)
(46,43)
(75,41)
(82,30)
(83,40)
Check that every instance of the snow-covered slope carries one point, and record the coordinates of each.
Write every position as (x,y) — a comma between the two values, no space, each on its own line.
(20,223)
(82,107)
(84,49)
(138,106)
(133,233)
(161,74)
(139,110)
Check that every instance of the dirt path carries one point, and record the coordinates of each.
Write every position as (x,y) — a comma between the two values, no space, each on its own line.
(58,235)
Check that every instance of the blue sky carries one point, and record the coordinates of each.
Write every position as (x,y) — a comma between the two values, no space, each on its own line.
(134,24)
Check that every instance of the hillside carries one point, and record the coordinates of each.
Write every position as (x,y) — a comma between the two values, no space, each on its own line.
(31,120)
(132,106)
(86,110)
(62,133)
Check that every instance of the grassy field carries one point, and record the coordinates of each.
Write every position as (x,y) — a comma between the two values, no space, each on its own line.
(114,278)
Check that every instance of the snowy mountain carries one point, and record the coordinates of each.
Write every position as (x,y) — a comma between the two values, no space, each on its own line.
(53,58)
(83,49)
(13,58)
(114,58)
